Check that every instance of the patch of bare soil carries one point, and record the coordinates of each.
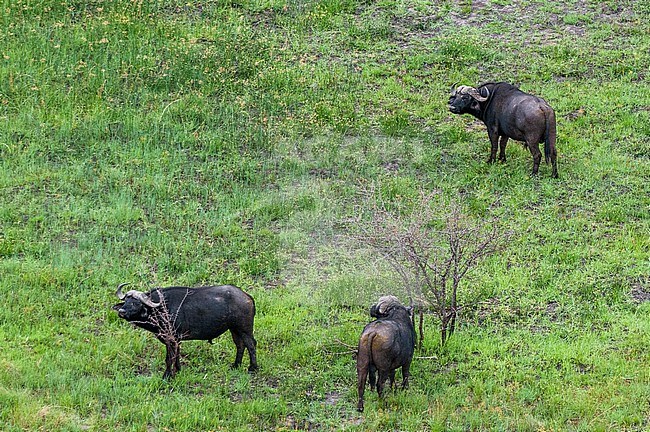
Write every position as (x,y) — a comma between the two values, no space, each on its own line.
(291,423)
(640,291)
(539,22)
(332,398)
(551,310)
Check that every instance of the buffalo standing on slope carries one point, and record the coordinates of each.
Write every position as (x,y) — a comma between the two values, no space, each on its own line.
(385,345)
(510,113)
(180,313)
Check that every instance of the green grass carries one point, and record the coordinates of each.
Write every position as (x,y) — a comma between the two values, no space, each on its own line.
(167,142)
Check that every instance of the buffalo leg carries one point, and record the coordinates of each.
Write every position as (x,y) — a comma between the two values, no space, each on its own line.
(251,345)
(381,381)
(537,157)
(391,379)
(239,343)
(362,374)
(172,362)
(494,145)
(406,373)
(177,357)
(502,148)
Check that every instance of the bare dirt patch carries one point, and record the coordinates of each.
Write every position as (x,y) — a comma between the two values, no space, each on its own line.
(527,22)
(640,290)
(332,398)
(291,423)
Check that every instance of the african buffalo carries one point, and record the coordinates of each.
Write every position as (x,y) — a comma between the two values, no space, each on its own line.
(385,345)
(509,113)
(180,313)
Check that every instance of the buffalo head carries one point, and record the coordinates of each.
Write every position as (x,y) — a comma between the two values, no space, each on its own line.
(135,305)
(466,99)
(383,306)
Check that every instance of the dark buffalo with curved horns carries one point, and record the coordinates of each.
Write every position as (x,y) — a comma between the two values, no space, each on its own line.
(510,113)
(385,345)
(175,314)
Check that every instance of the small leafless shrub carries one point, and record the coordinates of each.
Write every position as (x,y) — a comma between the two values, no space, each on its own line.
(431,246)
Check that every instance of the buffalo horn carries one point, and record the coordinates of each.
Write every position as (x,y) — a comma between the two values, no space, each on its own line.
(476,94)
(119,293)
(145,299)
(386,302)
(482,98)
(473,93)
(453,88)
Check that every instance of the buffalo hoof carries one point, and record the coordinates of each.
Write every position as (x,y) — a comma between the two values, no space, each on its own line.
(253,369)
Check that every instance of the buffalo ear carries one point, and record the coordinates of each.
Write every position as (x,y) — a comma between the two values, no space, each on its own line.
(118,306)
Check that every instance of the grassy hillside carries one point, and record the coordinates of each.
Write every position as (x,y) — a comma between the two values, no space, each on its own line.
(167,142)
